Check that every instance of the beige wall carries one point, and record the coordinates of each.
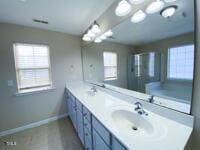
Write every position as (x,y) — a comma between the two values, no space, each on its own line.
(196,93)
(93,55)
(65,51)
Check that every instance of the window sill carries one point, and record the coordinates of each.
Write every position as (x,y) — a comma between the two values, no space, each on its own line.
(34,91)
(111,79)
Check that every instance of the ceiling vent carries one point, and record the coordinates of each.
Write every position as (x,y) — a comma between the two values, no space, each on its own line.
(40,21)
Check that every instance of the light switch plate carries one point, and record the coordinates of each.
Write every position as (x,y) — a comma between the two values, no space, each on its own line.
(10,82)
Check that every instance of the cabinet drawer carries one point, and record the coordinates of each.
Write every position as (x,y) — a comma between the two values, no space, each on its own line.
(116,145)
(102,131)
(79,105)
(86,114)
(87,125)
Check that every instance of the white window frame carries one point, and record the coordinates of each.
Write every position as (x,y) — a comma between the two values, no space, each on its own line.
(33,88)
(178,79)
(111,78)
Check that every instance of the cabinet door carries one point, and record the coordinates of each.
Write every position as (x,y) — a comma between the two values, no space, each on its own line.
(74,116)
(80,126)
(69,107)
(98,143)
(116,145)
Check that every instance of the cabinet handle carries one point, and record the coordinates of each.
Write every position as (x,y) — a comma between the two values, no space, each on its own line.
(86,134)
(85,114)
(85,124)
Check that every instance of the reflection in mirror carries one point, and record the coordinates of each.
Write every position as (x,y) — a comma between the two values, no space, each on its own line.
(154,56)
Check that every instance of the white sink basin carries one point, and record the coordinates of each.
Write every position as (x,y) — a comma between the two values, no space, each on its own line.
(131,121)
(127,121)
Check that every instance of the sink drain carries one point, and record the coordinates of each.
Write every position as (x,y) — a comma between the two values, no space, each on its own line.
(134,128)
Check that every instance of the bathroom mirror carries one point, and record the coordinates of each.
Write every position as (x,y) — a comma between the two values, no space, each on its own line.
(154,56)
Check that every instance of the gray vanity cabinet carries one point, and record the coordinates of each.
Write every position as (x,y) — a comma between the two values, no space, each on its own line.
(92,133)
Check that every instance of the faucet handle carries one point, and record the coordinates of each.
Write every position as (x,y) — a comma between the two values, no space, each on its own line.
(138,104)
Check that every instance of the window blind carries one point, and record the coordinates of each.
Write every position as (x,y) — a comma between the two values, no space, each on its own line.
(152,64)
(181,62)
(32,66)
(110,65)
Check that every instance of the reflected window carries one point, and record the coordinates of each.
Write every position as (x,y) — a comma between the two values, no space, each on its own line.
(181,62)
(110,65)
(32,65)
(151,64)
(137,65)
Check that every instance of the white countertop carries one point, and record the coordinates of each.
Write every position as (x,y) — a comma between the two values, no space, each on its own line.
(100,105)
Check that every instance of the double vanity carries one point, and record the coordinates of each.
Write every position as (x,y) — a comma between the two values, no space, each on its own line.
(108,120)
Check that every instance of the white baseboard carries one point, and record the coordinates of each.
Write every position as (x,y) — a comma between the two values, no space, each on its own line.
(32,125)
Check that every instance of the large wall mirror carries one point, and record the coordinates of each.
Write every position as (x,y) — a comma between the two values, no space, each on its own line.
(154,56)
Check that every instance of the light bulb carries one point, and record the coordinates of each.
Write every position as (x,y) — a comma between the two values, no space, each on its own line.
(138,16)
(97,40)
(102,37)
(155,7)
(86,38)
(108,33)
(168,11)
(170,1)
(123,8)
(95,28)
(136,1)
(90,34)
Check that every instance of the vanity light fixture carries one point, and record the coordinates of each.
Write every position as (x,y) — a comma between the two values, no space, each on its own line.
(123,8)
(168,11)
(136,1)
(155,7)
(91,32)
(170,1)
(138,17)
(109,33)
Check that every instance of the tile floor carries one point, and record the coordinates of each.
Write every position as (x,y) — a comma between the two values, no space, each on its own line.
(57,135)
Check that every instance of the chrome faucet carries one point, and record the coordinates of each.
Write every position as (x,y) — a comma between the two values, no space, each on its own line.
(139,109)
(94,89)
(151,99)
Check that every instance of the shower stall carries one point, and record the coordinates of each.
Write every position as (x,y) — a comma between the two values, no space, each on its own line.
(143,69)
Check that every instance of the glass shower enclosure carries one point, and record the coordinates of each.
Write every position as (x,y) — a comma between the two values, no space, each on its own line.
(143,69)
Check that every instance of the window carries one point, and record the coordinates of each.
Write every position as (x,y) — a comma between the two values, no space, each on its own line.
(137,65)
(181,62)
(151,64)
(32,66)
(110,65)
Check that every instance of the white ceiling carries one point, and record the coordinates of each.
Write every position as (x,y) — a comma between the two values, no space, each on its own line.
(155,27)
(68,16)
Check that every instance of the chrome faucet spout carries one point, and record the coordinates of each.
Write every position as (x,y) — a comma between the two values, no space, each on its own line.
(139,109)
(94,89)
